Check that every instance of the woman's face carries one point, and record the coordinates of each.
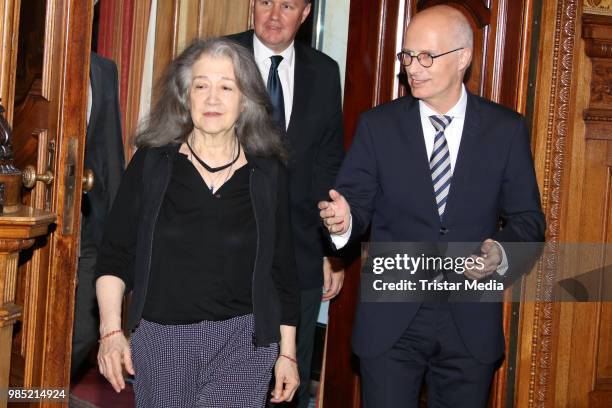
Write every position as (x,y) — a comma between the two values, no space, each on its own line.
(216,101)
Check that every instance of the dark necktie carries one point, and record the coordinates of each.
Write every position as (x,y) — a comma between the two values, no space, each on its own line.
(440,163)
(275,90)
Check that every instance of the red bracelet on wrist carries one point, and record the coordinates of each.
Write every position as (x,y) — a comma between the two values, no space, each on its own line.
(289,358)
(112,333)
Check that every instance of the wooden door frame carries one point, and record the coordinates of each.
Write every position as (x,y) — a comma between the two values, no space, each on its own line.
(49,271)
(75,52)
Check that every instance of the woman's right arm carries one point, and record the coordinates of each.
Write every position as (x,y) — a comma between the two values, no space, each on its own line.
(118,248)
(114,351)
(114,271)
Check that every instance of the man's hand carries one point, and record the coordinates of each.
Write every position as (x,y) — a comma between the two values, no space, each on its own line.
(490,259)
(333,277)
(335,213)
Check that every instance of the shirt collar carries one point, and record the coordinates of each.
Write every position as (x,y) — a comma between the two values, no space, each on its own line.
(262,53)
(456,111)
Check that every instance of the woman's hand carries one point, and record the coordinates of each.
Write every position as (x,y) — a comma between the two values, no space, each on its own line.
(114,352)
(287,379)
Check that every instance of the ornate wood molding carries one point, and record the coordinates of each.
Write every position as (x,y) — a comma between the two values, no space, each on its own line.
(598,123)
(598,48)
(10,176)
(11,245)
(541,379)
(597,35)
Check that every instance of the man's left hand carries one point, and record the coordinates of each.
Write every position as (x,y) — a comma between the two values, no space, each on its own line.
(333,277)
(490,258)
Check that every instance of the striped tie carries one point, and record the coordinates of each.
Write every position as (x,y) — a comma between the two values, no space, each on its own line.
(440,164)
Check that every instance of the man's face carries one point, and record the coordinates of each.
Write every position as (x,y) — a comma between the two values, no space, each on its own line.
(437,85)
(277,21)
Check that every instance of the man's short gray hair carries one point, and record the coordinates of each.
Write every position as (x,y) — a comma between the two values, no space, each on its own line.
(464,34)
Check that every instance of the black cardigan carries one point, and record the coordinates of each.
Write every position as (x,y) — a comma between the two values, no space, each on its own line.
(275,293)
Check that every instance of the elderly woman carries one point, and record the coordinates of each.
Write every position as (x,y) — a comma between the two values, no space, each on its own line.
(200,234)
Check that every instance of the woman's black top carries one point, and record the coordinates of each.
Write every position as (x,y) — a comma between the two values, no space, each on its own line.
(203,249)
(133,230)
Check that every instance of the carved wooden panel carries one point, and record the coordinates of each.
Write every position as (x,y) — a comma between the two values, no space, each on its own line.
(597,32)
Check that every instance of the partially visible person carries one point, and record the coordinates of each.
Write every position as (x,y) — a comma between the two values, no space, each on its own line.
(304,87)
(103,156)
(200,235)
(441,165)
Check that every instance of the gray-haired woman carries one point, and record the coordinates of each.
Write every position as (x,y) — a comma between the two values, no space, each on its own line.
(200,234)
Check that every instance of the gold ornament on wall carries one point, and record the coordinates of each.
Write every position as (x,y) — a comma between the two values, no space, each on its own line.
(603,7)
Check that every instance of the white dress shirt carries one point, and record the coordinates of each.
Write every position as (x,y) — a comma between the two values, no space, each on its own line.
(89,100)
(286,71)
(452,133)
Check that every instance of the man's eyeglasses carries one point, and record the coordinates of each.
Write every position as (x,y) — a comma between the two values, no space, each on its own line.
(425,59)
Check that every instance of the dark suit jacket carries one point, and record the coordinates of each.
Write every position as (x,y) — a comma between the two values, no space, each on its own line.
(316,152)
(103,152)
(387,182)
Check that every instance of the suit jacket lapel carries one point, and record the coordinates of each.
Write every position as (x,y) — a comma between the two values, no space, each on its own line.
(417,174)
(248,40)
(468,153)
(303,78)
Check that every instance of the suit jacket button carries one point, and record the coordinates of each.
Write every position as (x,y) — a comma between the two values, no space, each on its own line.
(444,231)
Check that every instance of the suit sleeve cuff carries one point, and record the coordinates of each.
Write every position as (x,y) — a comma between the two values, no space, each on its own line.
(503,266)
(341,240)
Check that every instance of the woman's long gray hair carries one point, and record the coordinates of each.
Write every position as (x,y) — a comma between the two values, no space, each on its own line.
(170,118)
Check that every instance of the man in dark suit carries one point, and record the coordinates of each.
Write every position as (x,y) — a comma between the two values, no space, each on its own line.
(104,156)
(440,166)
(304,86)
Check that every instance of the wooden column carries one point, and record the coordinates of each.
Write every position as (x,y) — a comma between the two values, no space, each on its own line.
(17,232)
